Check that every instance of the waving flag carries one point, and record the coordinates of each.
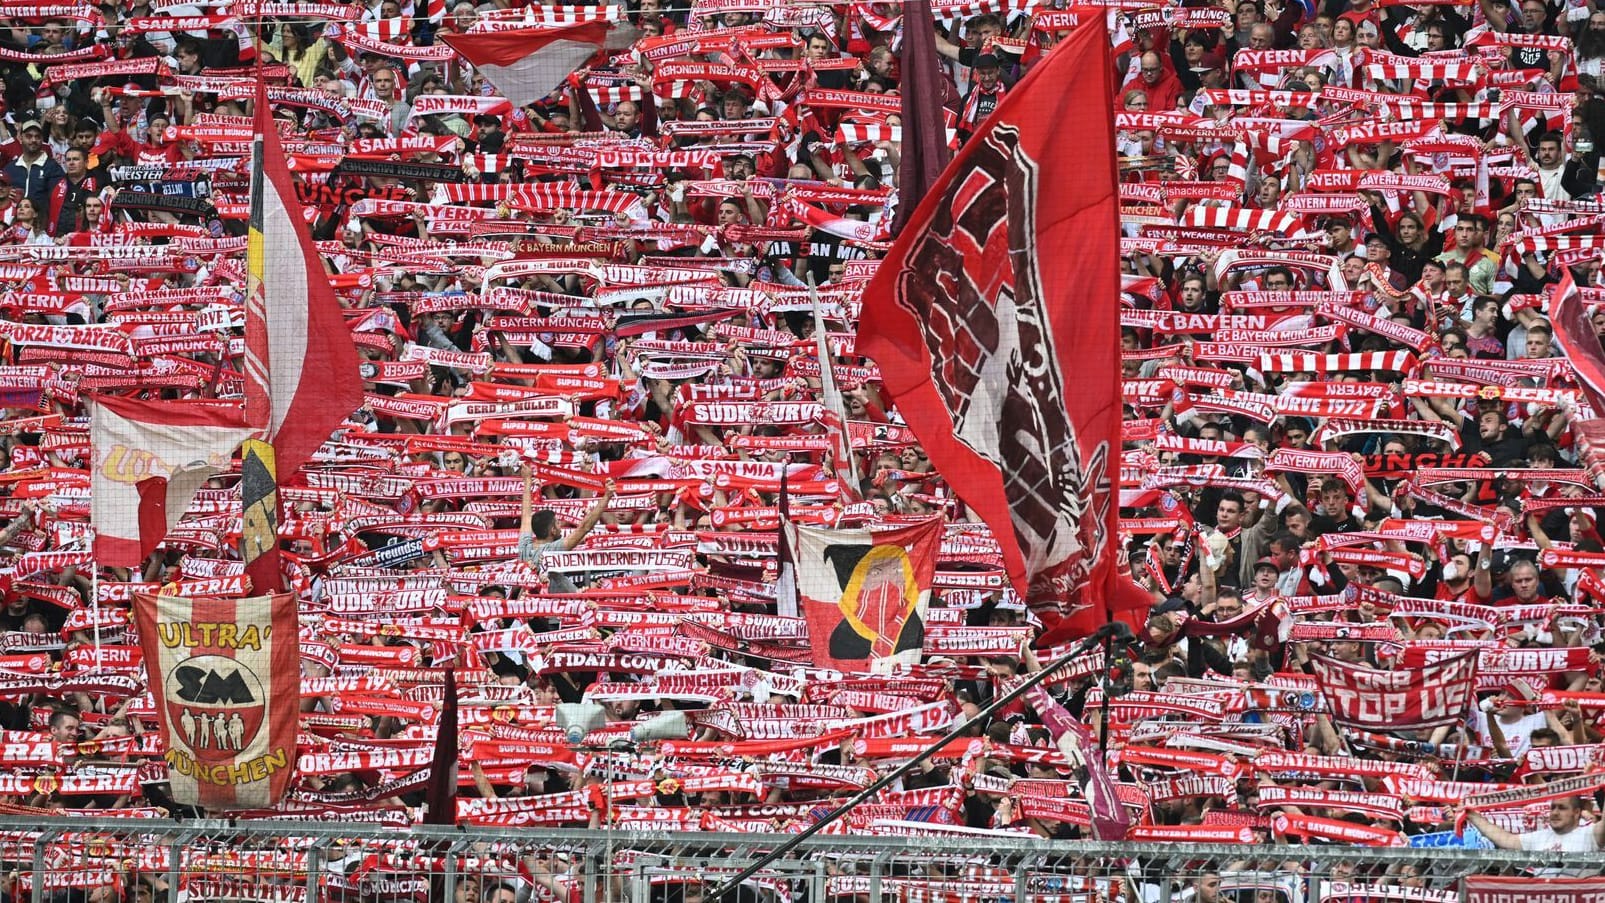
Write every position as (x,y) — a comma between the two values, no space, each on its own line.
(994,322)
(525,64)
(924,148)
(148,459)
(864,592)
(301,377)
(1574,330)
(300,364)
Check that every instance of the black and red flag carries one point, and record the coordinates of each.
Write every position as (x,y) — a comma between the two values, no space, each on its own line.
(995,323)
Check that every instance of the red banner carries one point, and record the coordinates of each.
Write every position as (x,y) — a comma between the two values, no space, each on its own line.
(1398,700)
(1489,889)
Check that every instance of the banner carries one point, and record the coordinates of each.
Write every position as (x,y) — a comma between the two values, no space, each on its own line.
(1398,700)
(1490,889)
(865,592)
(994,322)
(225,677)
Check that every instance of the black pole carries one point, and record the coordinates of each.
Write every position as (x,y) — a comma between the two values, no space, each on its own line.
(1112,630)
(1103,706)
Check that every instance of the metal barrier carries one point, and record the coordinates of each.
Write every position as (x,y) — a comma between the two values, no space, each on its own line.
(150,861)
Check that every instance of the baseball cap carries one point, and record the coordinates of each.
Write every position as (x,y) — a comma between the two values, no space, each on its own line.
(29,124)
(1267,562)
(1174,603)
(987,61)
(1212,59)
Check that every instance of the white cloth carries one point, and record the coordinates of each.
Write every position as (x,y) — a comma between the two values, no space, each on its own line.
(1578,840)
(1518,735)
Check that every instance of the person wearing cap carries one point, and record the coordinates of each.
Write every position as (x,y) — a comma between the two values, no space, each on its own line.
(1379,253)
(1266,570)
(1186,57)
(985,95)
(34,170)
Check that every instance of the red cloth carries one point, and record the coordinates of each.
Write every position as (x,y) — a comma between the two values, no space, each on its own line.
(1162,96)
(971,337)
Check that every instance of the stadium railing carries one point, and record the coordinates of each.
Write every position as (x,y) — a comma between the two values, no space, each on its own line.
(101,860)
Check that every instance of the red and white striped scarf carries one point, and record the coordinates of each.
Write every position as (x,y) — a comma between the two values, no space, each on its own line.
(1241,219)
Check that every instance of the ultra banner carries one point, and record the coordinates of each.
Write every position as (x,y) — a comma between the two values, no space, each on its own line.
(1402,699)
(225,675)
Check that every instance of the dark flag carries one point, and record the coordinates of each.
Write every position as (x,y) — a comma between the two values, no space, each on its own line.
(925,90)
(994,320)
(440,798)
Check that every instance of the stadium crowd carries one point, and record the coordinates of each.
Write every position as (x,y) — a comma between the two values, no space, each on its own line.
(1352,443)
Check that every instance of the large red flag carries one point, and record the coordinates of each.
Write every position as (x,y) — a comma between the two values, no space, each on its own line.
(301,365)
(994,320)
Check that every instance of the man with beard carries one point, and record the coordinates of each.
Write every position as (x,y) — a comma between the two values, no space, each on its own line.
(984,96)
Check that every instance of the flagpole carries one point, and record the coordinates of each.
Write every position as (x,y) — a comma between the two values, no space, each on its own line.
(259,490)
(786,604)
(94,606)
(1115,630)
(830,397)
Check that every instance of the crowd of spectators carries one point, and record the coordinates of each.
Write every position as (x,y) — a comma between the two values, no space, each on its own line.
(590,354)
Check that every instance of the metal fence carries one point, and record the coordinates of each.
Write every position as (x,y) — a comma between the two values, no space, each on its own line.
(153,861)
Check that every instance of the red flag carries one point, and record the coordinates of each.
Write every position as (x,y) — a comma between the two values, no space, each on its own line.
(300,364)
(994,322)
(525,64)
(864,592)
(180,443)
(1574,330)
(225,675)
(153,509)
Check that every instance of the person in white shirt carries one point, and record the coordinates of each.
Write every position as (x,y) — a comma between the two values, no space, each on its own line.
(1565,834)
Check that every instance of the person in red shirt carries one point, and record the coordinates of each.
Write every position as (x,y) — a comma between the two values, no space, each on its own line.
(1155,78)
(1463,580)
